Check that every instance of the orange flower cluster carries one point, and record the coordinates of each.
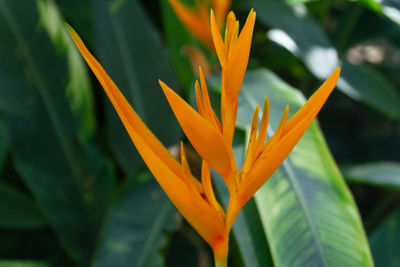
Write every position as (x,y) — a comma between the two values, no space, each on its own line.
(212,137)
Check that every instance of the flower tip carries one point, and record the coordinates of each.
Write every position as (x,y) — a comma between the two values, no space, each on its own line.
(212,16)
(335,75)
(231,15)
(70,29)
(165,88)
(337,70)
(161,83)
(252,13)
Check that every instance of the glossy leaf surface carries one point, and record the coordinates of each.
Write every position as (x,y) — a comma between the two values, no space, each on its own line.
(135,228)
(306,208)
(383,174)
(130,49)
(69,180)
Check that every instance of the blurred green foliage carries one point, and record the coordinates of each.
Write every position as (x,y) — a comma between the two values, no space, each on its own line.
(74,191)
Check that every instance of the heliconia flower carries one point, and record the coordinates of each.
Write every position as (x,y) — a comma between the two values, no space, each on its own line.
(196,20)
(212,137)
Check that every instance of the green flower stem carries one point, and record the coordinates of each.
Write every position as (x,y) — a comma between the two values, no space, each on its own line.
(221,264)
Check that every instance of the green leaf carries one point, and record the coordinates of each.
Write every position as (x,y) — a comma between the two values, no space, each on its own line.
(385,242)
(130,49)
(135,228)
(382,174)
(22,263)
(366,84)
(301,34)
(306,208)
(18,211)
(68,179)
(388,8)
(372,4)
(249,234)
(304,37)
(78,89)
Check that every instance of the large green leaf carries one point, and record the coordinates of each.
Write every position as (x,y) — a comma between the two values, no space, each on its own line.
(251,238)
(385,242)
(304,37)
(69,180)
(18,211)
(383,174)
(366,84)
(134,231)
(306,208)
(131,50)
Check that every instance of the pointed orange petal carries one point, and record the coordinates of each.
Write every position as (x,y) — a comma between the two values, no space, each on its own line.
(267,164)
(205,138)
(196,210)
(282,123)
(228,114)
(190,181)
(218,122)
(193,22)
(199,99)
(237,63)
(130,119)
(211,116)
(278,134)
(234,39)
(230,29)
(262,133)
(208,189)
(250,148)
(317,99)
(218,43)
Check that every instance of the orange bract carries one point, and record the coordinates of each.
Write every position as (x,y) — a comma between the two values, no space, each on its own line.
(196,19)
(212,138)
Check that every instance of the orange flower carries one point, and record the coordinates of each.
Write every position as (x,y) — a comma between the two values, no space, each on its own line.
(196,20)
(212,138)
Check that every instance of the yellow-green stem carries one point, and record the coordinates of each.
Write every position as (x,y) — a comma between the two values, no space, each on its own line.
(221,261)
(220,264)
(220,249)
